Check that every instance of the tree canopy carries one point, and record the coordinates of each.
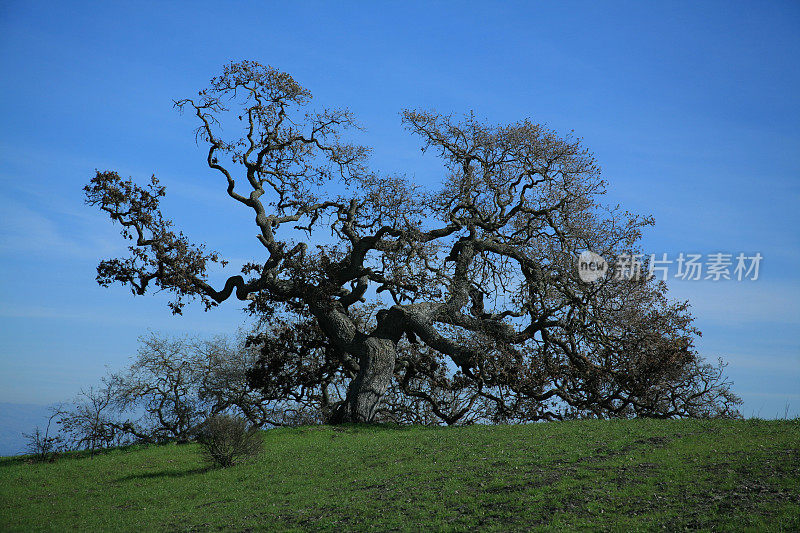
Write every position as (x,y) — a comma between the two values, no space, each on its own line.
(462,302)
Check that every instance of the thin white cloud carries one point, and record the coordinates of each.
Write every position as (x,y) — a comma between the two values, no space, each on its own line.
(736,302)
(786,363)
(773,394)
(25,232)
(193,319)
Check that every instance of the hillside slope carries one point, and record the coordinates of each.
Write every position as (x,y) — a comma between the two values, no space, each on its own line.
(625,475)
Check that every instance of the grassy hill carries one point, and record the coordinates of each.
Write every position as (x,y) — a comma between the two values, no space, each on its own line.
(621,475)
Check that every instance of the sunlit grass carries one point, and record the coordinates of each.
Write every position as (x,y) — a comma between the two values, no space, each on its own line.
(621,475)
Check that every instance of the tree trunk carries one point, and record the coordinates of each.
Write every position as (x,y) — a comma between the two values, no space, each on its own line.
(376,355)
(376,368)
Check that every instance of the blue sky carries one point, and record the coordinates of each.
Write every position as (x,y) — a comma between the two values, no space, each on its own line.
(688,107)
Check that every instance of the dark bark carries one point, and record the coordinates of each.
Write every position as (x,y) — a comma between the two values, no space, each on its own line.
(376,354)
(376,368)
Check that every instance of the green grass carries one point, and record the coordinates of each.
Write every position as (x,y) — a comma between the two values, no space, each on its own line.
(607,475)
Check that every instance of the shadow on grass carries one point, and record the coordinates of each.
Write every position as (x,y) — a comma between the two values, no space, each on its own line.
(74,454)
(164,474)
(362,428)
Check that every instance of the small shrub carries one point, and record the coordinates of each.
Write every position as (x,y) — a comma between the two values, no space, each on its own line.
(227,440)
(41,446)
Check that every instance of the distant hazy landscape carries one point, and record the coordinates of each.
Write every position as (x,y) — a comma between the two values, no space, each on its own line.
(16,419)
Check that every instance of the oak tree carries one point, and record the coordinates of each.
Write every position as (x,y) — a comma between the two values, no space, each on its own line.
(465,298)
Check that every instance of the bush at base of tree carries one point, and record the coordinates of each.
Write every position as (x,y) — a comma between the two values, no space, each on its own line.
(227,440)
